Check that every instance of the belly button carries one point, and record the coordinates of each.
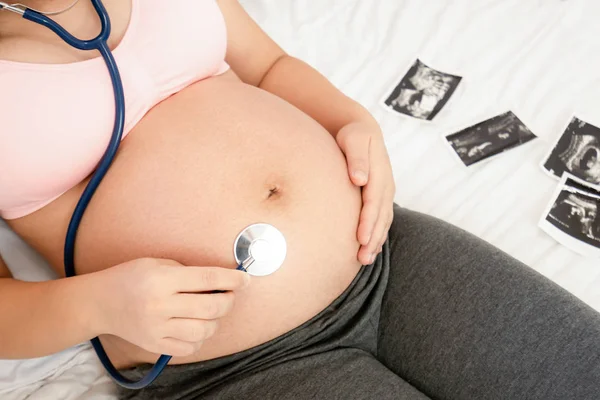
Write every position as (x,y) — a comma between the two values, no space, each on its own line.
(274,192)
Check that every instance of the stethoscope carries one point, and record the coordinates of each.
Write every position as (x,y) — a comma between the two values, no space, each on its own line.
(259,249)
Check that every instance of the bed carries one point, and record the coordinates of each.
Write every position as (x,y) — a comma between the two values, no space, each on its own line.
(537,58)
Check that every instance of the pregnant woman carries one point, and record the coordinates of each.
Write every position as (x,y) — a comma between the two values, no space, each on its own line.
(224,129)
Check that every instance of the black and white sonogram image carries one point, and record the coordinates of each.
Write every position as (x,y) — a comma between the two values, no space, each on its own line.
(423,92)
(577,152)
(489,138)
(576,212)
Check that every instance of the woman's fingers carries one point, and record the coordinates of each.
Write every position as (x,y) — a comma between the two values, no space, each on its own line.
(369,167)
(378,238)
(176,347)
(190,330)
(369,251)
(206,279)
(200,306)
(355,145)
(369,213)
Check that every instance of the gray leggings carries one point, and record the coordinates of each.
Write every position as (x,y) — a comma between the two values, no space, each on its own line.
(439,315)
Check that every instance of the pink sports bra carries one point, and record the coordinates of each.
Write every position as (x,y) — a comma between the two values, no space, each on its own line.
(56,119)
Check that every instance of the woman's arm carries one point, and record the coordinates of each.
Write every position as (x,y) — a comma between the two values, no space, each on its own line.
(158,305)
(41,318)
(259,61)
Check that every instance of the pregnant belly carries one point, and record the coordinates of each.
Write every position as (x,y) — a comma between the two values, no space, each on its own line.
(201,166)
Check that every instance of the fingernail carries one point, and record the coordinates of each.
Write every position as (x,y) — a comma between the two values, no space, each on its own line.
(360,176)
(246,279)
(373,258)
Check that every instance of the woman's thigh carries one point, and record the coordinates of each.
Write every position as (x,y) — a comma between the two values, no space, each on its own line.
(338,374)
(341,374)
(463,320)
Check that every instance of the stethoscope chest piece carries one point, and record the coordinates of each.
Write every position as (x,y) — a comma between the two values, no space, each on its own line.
(260,249)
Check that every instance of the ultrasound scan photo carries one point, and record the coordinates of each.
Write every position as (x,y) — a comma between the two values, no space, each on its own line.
(489,138)
(573,218)
(422,92)
(576,152)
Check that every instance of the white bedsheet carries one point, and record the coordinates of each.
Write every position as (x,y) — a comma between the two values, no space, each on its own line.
(538,58)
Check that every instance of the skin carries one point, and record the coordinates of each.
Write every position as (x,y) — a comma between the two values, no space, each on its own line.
(259,61)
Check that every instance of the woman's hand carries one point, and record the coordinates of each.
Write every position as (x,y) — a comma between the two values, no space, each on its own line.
(369,167)
(164,307)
